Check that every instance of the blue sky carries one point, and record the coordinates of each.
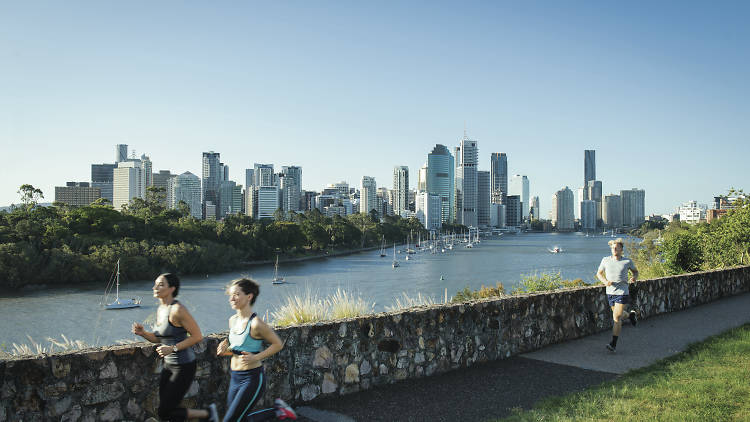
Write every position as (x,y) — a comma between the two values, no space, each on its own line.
(347,89)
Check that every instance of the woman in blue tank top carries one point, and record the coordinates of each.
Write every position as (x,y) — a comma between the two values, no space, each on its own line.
(173,324)
(247,332)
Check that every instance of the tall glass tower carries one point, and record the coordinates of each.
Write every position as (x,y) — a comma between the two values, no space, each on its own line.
(440,180)
(498,176)
(589,169)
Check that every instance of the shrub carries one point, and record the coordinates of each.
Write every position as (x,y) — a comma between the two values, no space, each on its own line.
(346,305)
(467,294)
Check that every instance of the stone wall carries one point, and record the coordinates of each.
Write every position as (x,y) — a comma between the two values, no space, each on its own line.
(340,357)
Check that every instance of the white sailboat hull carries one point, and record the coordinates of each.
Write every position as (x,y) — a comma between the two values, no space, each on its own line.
(124,304)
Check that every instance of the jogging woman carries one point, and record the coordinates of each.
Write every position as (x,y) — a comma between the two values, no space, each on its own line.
(173,324)
(247,332)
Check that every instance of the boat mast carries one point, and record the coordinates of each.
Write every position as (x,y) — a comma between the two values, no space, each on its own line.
(117,297)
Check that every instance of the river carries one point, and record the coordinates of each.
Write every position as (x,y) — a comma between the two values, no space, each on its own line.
(49,312)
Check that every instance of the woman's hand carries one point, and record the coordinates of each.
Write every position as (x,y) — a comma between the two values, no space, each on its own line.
(138,329)
(164,351)
(248,357)
(222,348)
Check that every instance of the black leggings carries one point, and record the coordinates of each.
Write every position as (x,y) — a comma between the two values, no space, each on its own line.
(245,389)
(174,383)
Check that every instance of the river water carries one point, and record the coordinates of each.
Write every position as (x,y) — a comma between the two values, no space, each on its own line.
(49,312)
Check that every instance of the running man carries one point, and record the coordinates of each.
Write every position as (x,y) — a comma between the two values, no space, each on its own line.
(613,273)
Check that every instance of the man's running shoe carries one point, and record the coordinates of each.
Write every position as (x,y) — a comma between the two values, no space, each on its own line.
(611,348)
(283,410)
(633,319)
(213,414)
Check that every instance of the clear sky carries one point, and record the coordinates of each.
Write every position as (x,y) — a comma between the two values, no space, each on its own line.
(344,89)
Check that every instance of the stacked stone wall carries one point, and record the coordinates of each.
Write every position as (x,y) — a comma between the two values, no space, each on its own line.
(340,357)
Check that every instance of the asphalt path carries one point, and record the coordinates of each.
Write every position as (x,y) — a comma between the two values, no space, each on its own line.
(491,390)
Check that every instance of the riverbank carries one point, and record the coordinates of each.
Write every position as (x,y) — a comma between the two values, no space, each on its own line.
(326,254)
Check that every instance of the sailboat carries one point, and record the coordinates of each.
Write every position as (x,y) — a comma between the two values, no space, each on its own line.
(382,247)
(276,278)
(395,263)
(119,303)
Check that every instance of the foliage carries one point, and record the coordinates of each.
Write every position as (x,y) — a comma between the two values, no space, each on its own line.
(300,310)
(407,301)
(467,294)
(545,281)
(346,305)
(64,245)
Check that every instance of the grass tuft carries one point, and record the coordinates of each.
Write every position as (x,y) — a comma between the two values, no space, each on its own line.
(406,301)
(346,305)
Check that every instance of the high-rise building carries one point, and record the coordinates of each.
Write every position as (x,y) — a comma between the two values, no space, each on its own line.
(128,183)
(368,195)
(226,200)
(251,201)
(224,172)
(185,188)
(483,198)
(268,201)
(263,175)
(534,208)
(589,169)
(102,177)
(633,207)
(519,185)
(562,210)
(148,176)
(612,211)
(121,153)
(400,189)
(428,210)
(249,178)
(497,215)
(594,193)
(77,194)
(499,176)
(440,180)
(291,187)
(588,215)
(211,179)
(161,180)
(513,212)
(466,181)
(422,180)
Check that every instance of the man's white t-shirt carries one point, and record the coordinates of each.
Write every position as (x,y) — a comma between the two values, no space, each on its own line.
(617,272)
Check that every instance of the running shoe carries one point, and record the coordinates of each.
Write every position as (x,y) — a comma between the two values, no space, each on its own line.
(611,348)
(633,318)
(213,414)
(283,410)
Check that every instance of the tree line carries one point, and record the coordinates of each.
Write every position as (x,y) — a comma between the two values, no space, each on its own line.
(61,245)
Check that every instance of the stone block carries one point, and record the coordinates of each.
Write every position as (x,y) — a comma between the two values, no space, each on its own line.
(102,393)
(60,367)
(323,357)
(309,392)
(365,368)
(59,407)
(329,384)
(351,374)
(73,415)
(108,371)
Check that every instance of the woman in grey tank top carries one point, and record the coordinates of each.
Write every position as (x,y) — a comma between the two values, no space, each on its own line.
(173,324)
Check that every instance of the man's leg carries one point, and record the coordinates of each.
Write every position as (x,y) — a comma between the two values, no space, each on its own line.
(617,314)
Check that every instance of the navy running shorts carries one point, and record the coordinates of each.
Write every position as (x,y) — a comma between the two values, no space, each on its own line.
(612,299)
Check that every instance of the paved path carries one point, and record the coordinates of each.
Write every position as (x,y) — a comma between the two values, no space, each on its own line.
(491,390)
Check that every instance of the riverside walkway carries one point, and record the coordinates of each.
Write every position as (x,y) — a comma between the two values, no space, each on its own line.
(491,390)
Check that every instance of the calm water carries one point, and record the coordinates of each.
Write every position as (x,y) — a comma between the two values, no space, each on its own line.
(75,312)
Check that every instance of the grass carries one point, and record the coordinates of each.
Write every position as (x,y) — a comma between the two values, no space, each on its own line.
(34,348)
(707,382)
(346,305)
(406,301)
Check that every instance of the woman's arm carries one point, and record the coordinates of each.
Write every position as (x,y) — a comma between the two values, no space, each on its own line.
(138,330)
(262,330)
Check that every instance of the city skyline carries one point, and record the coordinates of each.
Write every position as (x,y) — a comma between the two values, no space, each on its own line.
(663,107)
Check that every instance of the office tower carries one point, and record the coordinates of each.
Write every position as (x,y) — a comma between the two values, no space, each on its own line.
(238,206)
(633,207)
(77,194)
(308,200)
(580,196)
(268,201)
(210,211)
(102,176)
(562,209)
(594,193)
(249,178)
(384,207)
(224,172)
(428,208)
(127,183)
(519,185)
(161,180)
(534,208)
(422,180)
(226,200)
(612,211)
(499,176)
(263,174)
(589,169)
(251,201)
(400,189)
(291,187)
(121,153)
(211,179)
(185,188)
(147,168)
(368,195)
(588,215)
(513,211)
(466,181)
(440,180)
(497,215)
(483,198)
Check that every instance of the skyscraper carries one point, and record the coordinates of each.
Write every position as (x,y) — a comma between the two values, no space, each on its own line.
(483,198)
(589,169)
(588,215)
(263,174)
(121,153)
(519,185)
(562,209)
(612,211)
(534,208)
(422,179)
(633,207)
(400,189)
(102,176)
(440,180)
(186,188)
(127,183)
(211,180)
(291,188)
(498,176)
(368,195)
(594,193)
(466,181)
